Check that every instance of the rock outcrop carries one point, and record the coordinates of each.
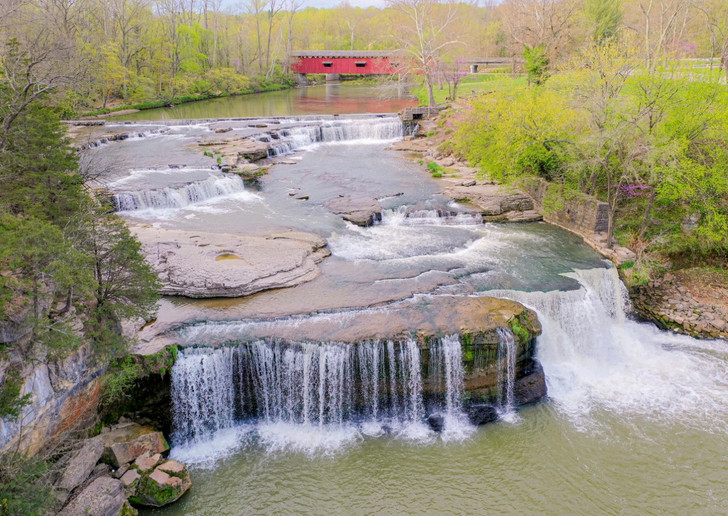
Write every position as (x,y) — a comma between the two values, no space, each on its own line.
(690,301)
(166,484)
(227,265)
(142,475)
(102,497)
(360,210)
(127,441)
(497,203)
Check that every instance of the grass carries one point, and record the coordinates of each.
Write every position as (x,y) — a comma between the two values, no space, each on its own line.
(474,84)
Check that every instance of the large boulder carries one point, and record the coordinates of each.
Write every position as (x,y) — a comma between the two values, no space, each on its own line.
(102,497)
(166,484)
(531,387)
(125,442)
(481,413)
(360,210)
(81,464)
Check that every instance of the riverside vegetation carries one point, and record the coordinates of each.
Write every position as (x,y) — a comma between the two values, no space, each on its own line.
(600,115)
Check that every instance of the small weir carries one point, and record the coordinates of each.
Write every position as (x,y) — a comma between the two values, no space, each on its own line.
(180,196)
(357,130)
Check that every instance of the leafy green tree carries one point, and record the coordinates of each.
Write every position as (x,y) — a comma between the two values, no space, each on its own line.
(536,64)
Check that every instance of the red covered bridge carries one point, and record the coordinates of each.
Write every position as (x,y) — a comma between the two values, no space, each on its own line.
(334,63)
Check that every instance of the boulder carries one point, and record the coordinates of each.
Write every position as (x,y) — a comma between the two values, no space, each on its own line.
(229,265)
(436,422)
(166,484)
(252,150)
(129,479)
(531,387)
(360,210)
(102,497)
(472,182)
(481,413)
(127,441)
(147,462)
(81,464)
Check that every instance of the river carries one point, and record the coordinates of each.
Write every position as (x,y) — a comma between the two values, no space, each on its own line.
(636,421)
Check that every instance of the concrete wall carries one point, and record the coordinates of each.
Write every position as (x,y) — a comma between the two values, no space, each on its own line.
(582,213)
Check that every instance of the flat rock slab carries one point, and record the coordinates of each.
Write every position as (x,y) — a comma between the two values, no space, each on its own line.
(360,210)
(81,464)
(102,497)
(203,265)
(492,200)
(423,317)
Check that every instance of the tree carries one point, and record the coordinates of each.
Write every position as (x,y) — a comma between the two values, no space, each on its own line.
(425,35)
(606,17)
(536,62)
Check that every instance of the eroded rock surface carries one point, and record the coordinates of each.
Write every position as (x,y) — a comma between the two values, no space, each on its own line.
(226,265)
(102,497)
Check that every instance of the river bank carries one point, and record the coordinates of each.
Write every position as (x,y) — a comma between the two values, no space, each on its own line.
(687,300)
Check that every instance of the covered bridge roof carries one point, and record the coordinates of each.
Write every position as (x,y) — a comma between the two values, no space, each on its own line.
(355,54)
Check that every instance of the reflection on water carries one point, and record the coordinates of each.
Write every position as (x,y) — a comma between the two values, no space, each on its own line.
(326,99)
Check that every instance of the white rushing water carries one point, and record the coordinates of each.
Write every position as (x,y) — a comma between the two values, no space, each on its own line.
(596,359)
(507,351)
(179,196)
(306,396)
(355,131)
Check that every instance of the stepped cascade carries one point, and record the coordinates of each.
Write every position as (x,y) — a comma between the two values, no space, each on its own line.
(179,197)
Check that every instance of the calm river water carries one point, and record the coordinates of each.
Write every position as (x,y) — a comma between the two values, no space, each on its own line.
(636,421)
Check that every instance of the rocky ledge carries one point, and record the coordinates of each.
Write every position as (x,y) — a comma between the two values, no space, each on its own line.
(691,301)
(122,467)
(203,265)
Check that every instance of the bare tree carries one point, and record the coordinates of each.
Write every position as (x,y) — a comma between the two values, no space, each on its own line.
(540,22)
(291,7)
(425,35)
(659,18)
(715,13)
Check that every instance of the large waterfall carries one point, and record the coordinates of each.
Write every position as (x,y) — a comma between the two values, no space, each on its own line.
(179,197)
(306,384)
(597,359)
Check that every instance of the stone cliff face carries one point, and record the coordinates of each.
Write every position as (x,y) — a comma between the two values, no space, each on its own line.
(64,396)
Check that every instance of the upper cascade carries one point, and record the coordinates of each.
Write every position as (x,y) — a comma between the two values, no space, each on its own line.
(359,130)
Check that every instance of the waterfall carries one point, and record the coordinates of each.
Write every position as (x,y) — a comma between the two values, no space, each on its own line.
(407,216)
(597,359)
(178,197)
(357,130)
(311,385)
(507,354)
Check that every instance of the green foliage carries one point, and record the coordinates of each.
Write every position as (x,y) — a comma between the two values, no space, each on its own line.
(11,402)
(653,145)
(24,486)
(434,167)
(606,17)
(536,64)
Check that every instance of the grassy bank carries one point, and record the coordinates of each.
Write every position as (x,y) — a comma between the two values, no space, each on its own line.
(154,104)
(473,85)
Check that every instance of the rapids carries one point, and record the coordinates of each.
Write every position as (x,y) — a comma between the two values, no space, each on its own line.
(636,420)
